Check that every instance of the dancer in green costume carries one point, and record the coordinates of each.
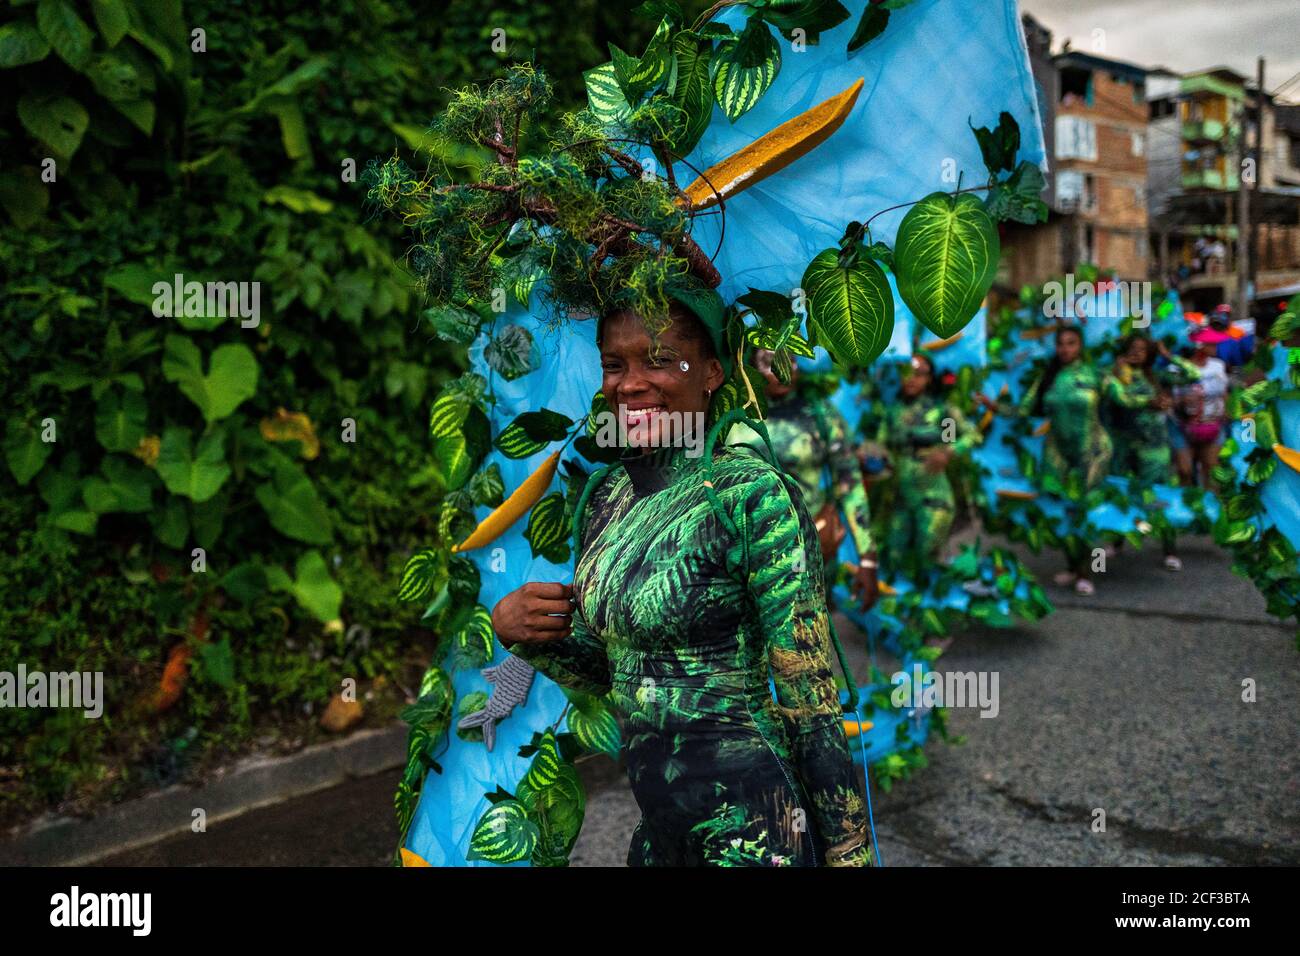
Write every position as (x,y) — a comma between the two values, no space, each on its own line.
(1135,411)
(811,438)
(696,577)
(922,434)
(1077,451)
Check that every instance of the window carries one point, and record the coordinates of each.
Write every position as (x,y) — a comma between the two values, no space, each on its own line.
(1076,138)
(1138,142)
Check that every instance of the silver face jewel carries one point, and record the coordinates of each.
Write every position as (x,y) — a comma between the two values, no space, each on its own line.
(684,366)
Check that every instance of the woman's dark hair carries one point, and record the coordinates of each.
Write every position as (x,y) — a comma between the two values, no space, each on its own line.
(934,388)
(1129,341)
(1054,367)
(689,326)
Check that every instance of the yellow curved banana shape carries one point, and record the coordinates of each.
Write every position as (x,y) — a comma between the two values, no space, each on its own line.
(772,152)
(1017,495)
(942,343)
(1290,457)
(852,728)
(412,859)
(513,508)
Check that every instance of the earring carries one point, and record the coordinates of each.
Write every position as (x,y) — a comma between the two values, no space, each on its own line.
(684,365)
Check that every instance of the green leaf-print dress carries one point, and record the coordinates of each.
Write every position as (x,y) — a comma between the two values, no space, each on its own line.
(680,620)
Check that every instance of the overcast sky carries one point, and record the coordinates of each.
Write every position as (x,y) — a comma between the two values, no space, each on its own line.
(1184,35)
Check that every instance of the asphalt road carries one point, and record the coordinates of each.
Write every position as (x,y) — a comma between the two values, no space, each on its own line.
(1128,702)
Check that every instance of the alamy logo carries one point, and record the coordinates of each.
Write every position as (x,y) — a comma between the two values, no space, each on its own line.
(951,689)
(103,909)
(77,690)
(195,300)
(1102,300)
(651,428)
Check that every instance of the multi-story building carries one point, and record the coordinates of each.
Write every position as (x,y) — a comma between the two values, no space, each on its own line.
(1095,123)
(1200,158)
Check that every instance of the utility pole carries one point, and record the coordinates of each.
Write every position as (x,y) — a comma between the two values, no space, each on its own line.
(1246,264)
(1255,207)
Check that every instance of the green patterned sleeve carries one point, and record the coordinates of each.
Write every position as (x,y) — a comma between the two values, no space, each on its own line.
(846,474)
(784,580)
(968,436)
(1179,371)
(1118,393)
(578,661)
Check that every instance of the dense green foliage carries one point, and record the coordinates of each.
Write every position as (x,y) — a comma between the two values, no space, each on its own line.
(149,138)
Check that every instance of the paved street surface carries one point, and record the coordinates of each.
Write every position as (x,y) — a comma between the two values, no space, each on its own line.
(1128,702)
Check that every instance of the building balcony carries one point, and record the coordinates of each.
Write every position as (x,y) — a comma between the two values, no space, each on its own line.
(1204,131)
(1209,179)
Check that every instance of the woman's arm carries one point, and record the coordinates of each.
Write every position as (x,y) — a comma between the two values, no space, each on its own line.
(784,580)
(538,623)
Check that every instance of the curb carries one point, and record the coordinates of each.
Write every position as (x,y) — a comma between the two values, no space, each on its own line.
(247,785)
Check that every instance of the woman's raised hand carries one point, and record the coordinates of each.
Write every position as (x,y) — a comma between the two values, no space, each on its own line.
(535,613)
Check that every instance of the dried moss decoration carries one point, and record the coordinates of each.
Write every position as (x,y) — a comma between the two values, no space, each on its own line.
(579,210)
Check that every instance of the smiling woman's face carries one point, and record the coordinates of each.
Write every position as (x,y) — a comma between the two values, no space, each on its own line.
(644,386)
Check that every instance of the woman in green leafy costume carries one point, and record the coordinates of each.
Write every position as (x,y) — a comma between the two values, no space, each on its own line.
(1135,410)
(811,438)
(1077,450)
(696,576)
(922,434)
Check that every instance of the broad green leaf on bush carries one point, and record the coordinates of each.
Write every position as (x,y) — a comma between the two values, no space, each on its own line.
(311,585)
(21,43)
(134,281)
(24,196)
(294,507)
(810,17)
(461,437)
(123,485)
(471,637)
(112,18)
(299,200)
(120,420)
(139,111)
(231,380)
(25,453)
(59,122)
(548,530)
(171,522)
(114,77)
(68,34)
(487,486)
(217,662)
(545,768)
(511,352)
(604,96)
(945,258)
(852,307)
(746,65)
(245,582)
(293,131)
(693,92)
(1000,145)
(197,473)
(504,834)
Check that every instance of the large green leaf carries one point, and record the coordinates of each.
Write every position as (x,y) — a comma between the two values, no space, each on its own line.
(21,43)
(25,453)
(199,473)
(123,485)
(112,18)
(548,530)
(693,91)
(504,834)
(311,585)
(231,380)
(68,34)
(120,420)
(851,306)
(604,96)
(294,507)
(746,66)
(58,122)
(945,258)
